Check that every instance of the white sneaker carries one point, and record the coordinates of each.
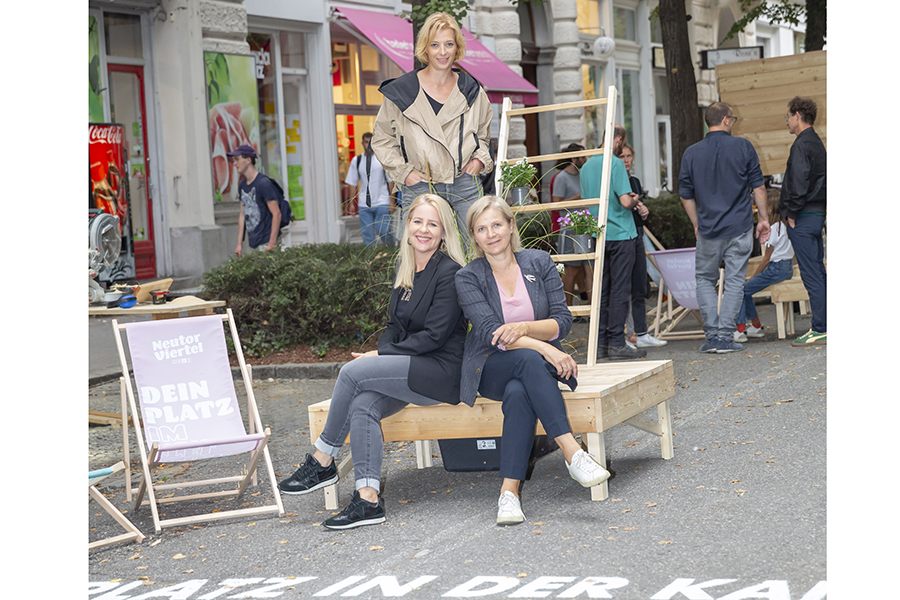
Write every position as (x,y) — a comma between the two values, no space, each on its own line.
(740,337)
(755,332)
(630,345)
(648,341)
(587,471)
(509,510)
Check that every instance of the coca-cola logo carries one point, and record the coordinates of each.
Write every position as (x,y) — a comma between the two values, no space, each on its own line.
(105,134)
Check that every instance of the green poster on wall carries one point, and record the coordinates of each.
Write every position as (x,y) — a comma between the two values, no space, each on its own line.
(95,102)
(233,115)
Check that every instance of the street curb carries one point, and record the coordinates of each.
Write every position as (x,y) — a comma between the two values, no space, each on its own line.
(287,371)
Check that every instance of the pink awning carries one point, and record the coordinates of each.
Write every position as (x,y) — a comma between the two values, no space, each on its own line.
(393,36)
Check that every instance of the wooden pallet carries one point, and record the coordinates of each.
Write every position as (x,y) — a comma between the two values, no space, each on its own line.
(607,395)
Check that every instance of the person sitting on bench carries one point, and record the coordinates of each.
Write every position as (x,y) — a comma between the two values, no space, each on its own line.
(515,303)
(418,361)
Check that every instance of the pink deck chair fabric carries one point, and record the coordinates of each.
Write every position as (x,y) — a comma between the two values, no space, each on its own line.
(186,390)
(677,269)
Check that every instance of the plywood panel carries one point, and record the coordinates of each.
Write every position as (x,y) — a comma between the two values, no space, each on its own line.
(759,92)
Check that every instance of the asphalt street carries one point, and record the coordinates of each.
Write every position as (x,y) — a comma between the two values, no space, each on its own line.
(740,512)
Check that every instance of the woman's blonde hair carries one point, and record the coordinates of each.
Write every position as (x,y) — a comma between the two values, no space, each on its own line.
(773,198)
(497,203)
(450,245)
(429,30)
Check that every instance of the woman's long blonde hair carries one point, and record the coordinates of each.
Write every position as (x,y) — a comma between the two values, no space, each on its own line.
(430,28)
(450,245)
(499,204)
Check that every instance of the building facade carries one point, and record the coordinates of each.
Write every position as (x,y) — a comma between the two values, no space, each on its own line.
(187,80)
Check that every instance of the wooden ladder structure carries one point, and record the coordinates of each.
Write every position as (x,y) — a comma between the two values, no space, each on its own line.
(593,309)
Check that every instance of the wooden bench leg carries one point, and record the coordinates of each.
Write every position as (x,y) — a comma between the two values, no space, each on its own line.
(597,449)
(779,319)
(789,308)
(666,441)
(423,454)
(331,492)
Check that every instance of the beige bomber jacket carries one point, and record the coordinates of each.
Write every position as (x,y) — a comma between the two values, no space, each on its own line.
(409,136)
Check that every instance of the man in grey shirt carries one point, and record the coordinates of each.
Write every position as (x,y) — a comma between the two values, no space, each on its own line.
(565,186)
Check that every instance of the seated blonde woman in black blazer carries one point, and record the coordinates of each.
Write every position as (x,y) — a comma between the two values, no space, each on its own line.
(418,362)
(514,300)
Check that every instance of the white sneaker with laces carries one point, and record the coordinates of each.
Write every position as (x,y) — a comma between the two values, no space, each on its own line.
(740,337)
(755,332)
(586,471)
(509,509)
(648,341)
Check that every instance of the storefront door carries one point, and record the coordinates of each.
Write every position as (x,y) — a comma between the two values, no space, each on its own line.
(295,114)
(127,107)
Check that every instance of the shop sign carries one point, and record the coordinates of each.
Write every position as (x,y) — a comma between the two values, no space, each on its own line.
(109,189)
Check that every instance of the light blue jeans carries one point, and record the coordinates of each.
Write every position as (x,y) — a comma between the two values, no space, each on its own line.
(734,253)
(775,272)
(375,222)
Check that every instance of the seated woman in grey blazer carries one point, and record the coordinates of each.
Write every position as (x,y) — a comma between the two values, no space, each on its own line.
(418,361)
(514,300)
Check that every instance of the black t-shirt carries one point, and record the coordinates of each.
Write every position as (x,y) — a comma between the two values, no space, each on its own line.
(637,189)
(257,216)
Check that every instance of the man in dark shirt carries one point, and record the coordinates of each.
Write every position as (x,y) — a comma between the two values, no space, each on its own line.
(803,195)
(260,213)
(719,175)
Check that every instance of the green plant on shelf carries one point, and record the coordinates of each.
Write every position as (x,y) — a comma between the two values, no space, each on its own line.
(582,222)
(517,175)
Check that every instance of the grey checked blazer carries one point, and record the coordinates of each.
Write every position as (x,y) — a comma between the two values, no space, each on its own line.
(480,301)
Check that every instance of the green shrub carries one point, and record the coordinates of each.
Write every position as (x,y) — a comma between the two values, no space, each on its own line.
(669,222)
(318,294)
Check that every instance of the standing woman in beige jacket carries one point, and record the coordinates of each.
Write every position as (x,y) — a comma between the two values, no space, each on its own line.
(432,133)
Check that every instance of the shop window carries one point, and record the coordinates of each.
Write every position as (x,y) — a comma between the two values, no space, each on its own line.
(623,24)
(345,73)
(123,35)
(262,46)
(293,54)
(594,121)
(588,17)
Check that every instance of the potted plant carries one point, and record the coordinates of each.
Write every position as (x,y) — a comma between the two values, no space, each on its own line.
(584,229)
(516,179)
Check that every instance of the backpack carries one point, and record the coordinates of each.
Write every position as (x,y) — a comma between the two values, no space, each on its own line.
(287,215)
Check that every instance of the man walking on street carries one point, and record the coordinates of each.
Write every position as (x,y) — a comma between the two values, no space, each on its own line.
(618,255)
(373,194)
(803,196)
(719,174)
(260,213)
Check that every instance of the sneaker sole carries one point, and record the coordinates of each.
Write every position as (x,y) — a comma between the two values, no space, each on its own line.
(318,486)
(727,350)
(510,521)
(815,343)
(650,345)
(373,521)
(593,482)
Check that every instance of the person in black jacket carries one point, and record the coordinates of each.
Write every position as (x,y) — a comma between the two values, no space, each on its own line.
(418,361)
(803,197)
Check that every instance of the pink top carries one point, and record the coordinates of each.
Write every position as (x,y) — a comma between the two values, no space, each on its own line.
(517,307)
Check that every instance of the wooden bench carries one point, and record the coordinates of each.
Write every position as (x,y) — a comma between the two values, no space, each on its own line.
(784,294)
(608,394)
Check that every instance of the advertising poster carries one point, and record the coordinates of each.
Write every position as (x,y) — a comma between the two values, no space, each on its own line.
(109,190)
(95,98)
(233,115)
(294,165)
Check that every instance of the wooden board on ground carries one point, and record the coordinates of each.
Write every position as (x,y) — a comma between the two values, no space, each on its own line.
(759,91)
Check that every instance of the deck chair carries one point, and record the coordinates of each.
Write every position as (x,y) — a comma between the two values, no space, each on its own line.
(676,268)
(190,411)
(132,533)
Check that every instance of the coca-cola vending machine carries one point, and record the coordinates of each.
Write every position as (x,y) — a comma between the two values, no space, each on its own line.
(109,192)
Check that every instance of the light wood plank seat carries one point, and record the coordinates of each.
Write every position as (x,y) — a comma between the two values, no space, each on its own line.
(783,295)
(608,394)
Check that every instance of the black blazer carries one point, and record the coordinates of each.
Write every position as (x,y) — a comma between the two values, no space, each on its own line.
(432,332)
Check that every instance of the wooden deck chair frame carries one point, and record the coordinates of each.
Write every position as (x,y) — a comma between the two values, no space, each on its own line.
(132,533)
(150,455)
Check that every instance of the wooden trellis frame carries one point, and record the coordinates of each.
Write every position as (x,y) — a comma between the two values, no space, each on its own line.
(593,309)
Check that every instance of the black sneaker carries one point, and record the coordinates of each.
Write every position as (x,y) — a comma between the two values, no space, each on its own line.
(625,353)
(602,351)
(358,513)
(309,477)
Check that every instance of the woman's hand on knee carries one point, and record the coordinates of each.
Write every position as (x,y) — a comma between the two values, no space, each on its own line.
(364,354)
(565,365)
